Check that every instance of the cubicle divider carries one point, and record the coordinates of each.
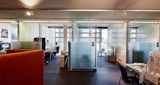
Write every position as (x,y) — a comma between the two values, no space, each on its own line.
(22,67)
(82,56)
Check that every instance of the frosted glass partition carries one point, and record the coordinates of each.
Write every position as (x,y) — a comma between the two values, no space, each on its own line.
(82,55)
(117,41)
(25,45)
(146,39)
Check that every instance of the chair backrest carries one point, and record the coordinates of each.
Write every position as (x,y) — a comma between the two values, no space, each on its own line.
(154,62)
(57,49)
(124,75)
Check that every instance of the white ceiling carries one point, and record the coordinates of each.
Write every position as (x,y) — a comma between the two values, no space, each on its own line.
(82,9)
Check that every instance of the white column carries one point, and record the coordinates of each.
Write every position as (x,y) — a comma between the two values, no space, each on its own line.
(65,38)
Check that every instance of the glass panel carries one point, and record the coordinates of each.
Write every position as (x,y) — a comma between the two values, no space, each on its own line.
(117,41)
(9,33)
(147,35)
(133,35)
(59,39)
(95,30)
(82,56)
(84,40)
(95,35)
(24,45)
(14,30)
(69,35)
(59,29)
(30,32)
(133,31)
(84,30)
(59,35)
(132,40)
(84,35)
(69,30)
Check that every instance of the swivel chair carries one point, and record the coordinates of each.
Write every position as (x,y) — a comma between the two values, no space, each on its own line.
(130,80)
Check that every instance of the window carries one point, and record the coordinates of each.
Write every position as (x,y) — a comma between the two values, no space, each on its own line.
(133,34)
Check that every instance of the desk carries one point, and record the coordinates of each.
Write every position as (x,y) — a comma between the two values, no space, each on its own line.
(139,68)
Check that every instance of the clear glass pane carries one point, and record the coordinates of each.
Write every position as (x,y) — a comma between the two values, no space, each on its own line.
(84,35)
(84,39)
(133,36)
(69,35)
(14,30)
(59,35)
(84,30)
(132,40)
(57,30)
(133,31)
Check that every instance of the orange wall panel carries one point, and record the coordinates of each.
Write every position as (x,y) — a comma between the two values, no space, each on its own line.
(16,68)
(22,68)
(1,70)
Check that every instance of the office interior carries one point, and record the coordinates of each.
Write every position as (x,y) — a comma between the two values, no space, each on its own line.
(87,33)
(139,37)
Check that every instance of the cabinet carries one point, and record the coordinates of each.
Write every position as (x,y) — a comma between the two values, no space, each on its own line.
(111,58)
(62,59)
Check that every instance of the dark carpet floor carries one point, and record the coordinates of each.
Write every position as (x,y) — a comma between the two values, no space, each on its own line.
(106,74)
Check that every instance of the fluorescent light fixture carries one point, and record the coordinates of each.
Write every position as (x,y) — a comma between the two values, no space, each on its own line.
(7,21)
(143,10)
(30,3)
(85,10)
(123,13)
(48,21)
(103,10)
(112,13)
(138,22)
(96,22)
(29,13)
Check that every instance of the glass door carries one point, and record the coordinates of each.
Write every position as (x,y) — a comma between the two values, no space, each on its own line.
(117,41)
(83,47)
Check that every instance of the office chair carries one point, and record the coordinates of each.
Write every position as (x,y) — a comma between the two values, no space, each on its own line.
(57,50)
(53,54)
(47,57)
(131,80)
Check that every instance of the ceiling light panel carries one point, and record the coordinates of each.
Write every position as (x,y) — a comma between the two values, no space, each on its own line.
(30,3)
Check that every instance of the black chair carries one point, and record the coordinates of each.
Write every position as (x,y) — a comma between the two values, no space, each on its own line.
(53,54)
(57,50)
(131,80)
(47,57)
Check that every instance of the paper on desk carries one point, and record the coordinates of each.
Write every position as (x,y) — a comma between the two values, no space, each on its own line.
(138,63)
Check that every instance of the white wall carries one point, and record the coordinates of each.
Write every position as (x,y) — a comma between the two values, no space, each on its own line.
(49,34)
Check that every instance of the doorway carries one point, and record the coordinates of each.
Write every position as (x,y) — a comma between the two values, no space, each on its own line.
(54,32)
